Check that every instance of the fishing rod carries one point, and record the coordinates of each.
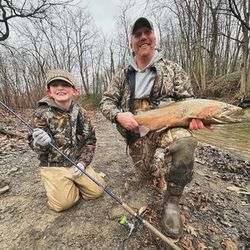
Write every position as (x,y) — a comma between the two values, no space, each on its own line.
(116,199)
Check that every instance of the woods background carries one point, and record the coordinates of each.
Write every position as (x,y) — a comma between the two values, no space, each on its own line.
(208,38)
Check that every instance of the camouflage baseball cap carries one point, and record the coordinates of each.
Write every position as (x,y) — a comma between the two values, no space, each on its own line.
(141,22)
(59,74)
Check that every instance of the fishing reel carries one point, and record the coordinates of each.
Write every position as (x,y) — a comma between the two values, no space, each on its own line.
(129,225)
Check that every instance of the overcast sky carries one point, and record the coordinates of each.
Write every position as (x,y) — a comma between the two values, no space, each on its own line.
(104,13)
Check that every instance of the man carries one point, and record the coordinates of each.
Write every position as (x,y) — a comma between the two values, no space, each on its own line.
(147,82)
(59,119)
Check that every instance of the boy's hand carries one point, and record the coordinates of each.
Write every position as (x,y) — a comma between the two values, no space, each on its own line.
(40,137)
(78,172)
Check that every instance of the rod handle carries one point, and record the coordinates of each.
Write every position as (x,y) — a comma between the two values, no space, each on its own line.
(151,227)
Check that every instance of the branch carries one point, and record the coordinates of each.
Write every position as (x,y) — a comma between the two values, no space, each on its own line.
(9,11)
(4,35)
(236,13)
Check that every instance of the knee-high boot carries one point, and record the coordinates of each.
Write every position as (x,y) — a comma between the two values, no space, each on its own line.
(182,152)
(171,220)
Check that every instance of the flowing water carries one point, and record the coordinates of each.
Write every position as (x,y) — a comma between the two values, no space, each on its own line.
(234,137)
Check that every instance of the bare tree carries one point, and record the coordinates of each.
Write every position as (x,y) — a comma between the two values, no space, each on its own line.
(85,38)
(244,20)
(124,32)
(10,9)
(112,64)
(240,11)
(214,34)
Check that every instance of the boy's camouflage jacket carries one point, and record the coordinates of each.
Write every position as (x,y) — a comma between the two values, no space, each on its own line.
(71,132)
(171,83)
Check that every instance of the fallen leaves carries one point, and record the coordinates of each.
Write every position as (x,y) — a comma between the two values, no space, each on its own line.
(229,244)
(238,190)
(213,229)
(12,144)
(201,246)
(187,243)
(142,209)
(191,230)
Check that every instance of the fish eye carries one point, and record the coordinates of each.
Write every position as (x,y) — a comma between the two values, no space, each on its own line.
(224,109)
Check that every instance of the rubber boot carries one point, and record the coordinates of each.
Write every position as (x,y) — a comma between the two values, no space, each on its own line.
(171,220)
(181,171)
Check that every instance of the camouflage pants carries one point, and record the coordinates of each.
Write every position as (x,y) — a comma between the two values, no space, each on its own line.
(151,157)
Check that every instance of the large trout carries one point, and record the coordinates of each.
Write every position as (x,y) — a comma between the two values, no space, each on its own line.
(179,114)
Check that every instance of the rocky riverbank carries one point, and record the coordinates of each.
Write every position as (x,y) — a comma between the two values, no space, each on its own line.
(215,205)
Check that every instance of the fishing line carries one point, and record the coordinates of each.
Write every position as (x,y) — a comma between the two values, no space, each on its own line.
(116,199)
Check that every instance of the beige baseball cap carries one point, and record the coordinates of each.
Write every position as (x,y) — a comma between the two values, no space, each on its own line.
(59,74)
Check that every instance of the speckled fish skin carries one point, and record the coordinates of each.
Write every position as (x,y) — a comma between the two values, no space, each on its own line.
(179,114)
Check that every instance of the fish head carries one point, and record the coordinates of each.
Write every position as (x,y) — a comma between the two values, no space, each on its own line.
(226,113)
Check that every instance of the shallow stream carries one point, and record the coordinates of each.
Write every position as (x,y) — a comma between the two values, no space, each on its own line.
(234,137)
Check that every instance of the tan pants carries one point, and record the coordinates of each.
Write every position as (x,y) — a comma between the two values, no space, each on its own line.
(63,191)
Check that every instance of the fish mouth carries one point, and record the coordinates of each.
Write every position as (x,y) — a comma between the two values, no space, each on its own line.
(228,117)
(221,120)
(231,115)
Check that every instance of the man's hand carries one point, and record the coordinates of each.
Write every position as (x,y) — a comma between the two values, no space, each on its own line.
(198,124)
(127,120)
(41,137)
(78,172)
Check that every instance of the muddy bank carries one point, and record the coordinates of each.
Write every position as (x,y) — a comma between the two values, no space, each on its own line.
(215,205)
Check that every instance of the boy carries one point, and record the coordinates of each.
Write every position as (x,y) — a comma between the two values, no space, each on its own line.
(61,121)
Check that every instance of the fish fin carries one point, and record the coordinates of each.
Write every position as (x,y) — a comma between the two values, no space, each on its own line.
(143,130)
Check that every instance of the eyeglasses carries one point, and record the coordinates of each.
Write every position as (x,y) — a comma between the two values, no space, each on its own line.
(138,34)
